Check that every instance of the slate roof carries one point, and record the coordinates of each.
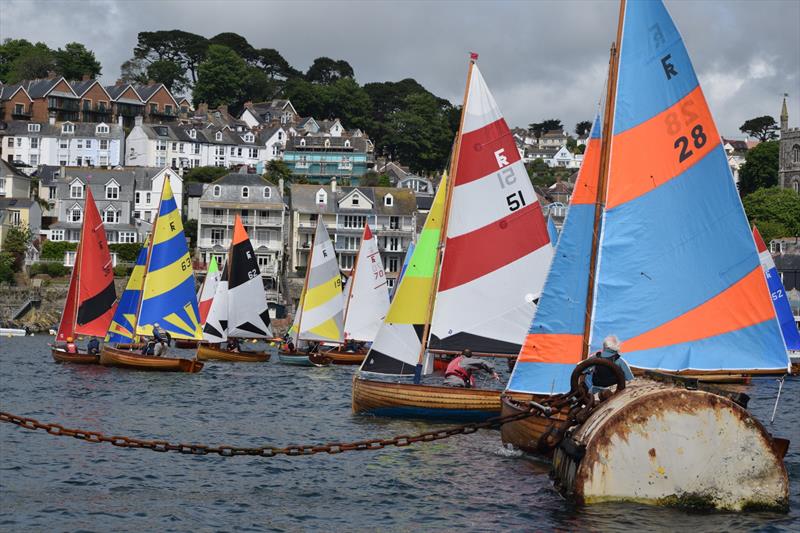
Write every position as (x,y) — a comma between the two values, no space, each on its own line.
(42,87)
(82,129)
(80,87)
(358,144)
(6,203)
(304,199)
(140,177)
(8,170)
(231,192)
(115,91)
(193,189)
(208,135)
(7,91)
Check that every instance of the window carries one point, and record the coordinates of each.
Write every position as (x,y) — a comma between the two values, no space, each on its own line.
(101,106)
(63,144)
(88,143)
(302,142)
(796,154)
(217,236)
(248,137)
(79,161)
(327,143)
(110,215)
(104,144)
(245,192)
(34,128)
(345,163)
(75,214)
(161,145)
(34,159)
(264,262)
(14,217)
(275,149)
(217,191)
(355,201)
(267,192)
(79,144)
(19,142)
(280,135)
(346,261)
(153,108)
(161,161)
(388,200)
(218,136)
(103,161)
(76,189)
(253,153)
(394,222)
(390,283)
(68,127)
(167,109)
(347,144)
(137,197)
(302,162)
(322,197)
(195,148)
(57,235)
(392,244)
(112,190)
(174,147)
(184,109)
(34,142)
(127,237)
(11,142)
(354,221)
(87,105)
(180,147)
(51,195)
(19,109)
(392,265)
(193,134)
(349,243)
(101,128)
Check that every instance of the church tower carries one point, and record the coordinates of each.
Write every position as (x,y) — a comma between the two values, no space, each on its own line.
(789,162)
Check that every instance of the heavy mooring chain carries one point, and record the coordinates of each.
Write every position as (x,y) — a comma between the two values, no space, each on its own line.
(266,451)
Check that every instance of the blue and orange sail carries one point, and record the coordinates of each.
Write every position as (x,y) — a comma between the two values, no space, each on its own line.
(123,325)
(791,336)
(678,278)
(168,293)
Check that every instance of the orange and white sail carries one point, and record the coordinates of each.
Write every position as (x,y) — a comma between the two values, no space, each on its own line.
(497,250)
(367,292)
(206,294)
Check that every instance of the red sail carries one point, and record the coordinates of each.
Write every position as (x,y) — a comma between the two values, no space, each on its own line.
(97,296)
(67,326)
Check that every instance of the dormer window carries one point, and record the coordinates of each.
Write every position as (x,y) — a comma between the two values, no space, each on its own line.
(34,128)
(322,197)
(248,138)
(267,192)
(76,189)
(302,142)
(388,200)
(193,133)
(217,191)
(347,144)
(245,192)
(68,127)
(218,136)
(327,143)
(75,213)
(101,128)
(112,190)
(110,215)
(355,201)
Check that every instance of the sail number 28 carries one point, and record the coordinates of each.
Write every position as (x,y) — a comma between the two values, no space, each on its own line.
(675,124)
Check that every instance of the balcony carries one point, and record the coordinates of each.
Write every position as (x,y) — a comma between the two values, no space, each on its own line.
(210,242)
(392,249)
(21,114)
(96,113)
(209,220)
(63,104)
(130,110)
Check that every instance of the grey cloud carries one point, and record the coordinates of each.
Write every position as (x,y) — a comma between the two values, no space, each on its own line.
(541,59)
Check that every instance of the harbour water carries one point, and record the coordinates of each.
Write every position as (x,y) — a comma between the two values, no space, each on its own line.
(60,484)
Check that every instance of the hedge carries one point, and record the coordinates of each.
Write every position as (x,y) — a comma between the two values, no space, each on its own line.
(54,270)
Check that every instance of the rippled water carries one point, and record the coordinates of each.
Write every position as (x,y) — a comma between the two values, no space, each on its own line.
(61,484)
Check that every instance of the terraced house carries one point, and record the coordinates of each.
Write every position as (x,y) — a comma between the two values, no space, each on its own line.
(320,158)
(390,213)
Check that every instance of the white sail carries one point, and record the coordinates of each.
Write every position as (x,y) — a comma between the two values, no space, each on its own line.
(248,312)
(215,329)
(367,292)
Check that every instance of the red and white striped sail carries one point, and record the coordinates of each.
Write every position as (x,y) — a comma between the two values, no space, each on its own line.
(498,252)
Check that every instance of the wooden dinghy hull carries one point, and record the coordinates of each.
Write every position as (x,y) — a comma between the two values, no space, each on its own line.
(136,361)
(344,358)
(61,356)
(209,353)
(186,344)
(130,346)
(525,434)
(301,359)
(713,376)
(407,400)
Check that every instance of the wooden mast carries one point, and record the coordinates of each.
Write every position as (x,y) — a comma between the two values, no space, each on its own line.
(305,282)
(446,216)
(602,185)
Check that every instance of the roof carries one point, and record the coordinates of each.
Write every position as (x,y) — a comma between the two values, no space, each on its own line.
(193,189)
(304,199)
(356,143)
(21,203)
(140,177)
(7,170)
(738,145)
(42,87)
(115,91)
(7,91)
(787,262)
(553,133)
(82,129)
(231,191)
(208,134)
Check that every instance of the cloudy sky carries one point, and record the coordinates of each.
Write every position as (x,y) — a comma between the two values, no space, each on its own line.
(542,59)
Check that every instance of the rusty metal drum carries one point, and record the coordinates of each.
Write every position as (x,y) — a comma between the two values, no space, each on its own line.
(661,444)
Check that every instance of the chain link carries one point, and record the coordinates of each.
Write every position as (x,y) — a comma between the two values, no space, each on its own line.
(293,450)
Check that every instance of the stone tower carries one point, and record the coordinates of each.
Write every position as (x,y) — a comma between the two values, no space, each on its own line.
(789,164)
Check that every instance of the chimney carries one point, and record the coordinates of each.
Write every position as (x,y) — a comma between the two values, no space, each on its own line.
(51,118)
(63,172)
(51,75)
(248,104)
(138,120)
(86,77)
(151,82)
(119,120)
(202,107)
(119,81)
(280,186)
(223,109)
(333,185)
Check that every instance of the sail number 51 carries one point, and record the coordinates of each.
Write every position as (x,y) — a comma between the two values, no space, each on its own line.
(506,177)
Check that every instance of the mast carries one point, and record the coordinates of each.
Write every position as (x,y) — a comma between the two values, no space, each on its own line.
(602,184)
(443,232)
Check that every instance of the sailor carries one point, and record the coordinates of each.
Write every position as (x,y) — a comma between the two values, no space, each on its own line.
(94,346)
(461,370)
(599,378)
(158,333)
(71,346)
(232,345)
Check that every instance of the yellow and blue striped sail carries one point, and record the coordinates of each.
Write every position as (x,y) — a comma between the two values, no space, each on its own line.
(123,324)
(169,297)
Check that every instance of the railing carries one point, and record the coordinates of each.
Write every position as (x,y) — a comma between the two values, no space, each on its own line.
(169,114)
(247,221)
(63,104)
(21,114)
(208,242)
(389,248)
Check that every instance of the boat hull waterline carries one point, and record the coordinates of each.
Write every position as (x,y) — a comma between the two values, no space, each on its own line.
(136,361)
(209,353)
(61,356)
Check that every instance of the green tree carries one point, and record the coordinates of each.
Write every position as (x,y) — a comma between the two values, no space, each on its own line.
(762,128)
(32,62)
(16,243)
(760,169)
(583,127)
(540,128)
(237,43)
(326,70)
(186,49)
(774,211)
(306,96)
(277,170)
(134,70)
(220,78)
(420,134)
(10,51)
(75,60)
(346,100)
(170,73)
(204,174)
(6,268)
(274,65)
(190,230)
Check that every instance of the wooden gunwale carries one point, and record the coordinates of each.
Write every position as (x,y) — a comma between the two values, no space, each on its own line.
(206,353)
(344,358)
(80,358)
(525,434)
(122,358)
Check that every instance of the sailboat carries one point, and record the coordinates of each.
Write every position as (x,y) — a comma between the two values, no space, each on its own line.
(122,330)
(366,301)
(167,296)
(319,316)
(477,293)
(656,248)
(239,306)
(791,336)
(204,298)
(91,297)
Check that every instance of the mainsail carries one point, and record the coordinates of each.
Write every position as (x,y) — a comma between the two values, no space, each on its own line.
(215,328)
(123,324)
(91,297)
(169,297)
(367,294)
(552,231)
(397,345)
(322,304)
(406,259)
(677,278)
(779,299)
(497,251)
(248,313)
(208,289)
